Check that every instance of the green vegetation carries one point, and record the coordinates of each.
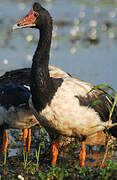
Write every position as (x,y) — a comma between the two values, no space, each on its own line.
(65,172)
(26,163)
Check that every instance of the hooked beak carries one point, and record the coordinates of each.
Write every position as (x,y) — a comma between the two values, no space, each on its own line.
(27,21)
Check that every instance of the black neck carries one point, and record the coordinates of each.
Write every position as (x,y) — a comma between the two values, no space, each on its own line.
(41,83)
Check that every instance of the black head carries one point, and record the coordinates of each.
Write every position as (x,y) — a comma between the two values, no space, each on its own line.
(37,7)
(38,17)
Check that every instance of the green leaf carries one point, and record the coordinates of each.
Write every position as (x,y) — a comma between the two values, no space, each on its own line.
(102,86)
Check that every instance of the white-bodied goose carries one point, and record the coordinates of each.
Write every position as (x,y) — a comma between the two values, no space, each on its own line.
(63,104)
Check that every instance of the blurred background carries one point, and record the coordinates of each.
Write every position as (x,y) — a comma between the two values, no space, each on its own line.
(84,40)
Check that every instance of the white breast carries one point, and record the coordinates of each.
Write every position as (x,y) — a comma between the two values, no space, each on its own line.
(66,115)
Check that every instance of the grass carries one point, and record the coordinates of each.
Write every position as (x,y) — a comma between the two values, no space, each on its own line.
(26,163)
(64,172)
(37,154)
(5,157)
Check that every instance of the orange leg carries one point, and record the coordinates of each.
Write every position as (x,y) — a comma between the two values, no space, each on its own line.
(25,138)
(54,152)
(82,154)
(5,140)
(29,140)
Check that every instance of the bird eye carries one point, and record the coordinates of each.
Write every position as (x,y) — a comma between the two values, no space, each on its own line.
(35,14)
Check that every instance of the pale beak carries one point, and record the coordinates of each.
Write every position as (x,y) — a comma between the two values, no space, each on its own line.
(20,26)
(15,26)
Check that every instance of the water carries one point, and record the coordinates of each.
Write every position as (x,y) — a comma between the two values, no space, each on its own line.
(95,63)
